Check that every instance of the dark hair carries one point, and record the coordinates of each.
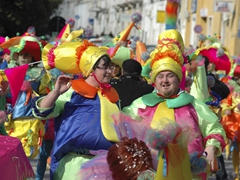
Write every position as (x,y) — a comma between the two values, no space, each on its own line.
(106,59)
(132,66)
(128,158)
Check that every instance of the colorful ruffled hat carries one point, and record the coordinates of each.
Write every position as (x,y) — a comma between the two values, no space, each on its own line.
(30,45)
(168,54)
(72,57)
(27,44)
(215,52)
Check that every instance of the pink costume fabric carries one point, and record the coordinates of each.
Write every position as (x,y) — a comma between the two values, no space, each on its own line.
(183,115)
(14,163)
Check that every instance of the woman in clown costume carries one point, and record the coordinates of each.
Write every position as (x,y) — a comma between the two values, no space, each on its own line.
(25,83)
(81,107)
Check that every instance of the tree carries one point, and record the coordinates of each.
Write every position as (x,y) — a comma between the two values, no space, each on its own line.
(18,15)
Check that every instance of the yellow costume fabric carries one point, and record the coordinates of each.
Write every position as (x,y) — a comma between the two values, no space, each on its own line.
(178,165)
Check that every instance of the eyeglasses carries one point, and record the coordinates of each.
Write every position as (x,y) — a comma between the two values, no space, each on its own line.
(106,68)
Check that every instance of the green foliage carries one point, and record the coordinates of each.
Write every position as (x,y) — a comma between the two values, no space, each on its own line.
(18,15)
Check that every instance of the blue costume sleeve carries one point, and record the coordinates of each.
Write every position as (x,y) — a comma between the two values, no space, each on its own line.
(4,64)
(51,112)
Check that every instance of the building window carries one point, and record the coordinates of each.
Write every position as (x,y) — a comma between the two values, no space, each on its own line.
(193,6)
(223,31)
(209,25)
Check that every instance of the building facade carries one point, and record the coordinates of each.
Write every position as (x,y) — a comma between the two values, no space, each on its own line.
(209,17)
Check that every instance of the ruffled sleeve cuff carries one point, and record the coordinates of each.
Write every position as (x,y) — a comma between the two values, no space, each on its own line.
(39,112)
(215,140)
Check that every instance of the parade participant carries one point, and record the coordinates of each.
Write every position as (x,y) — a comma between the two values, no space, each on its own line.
(24,81)
(219,91)
(168,101)
(3,61)
(130,85)
(29,51)
(81,107)
(203,89)
(230,116)
(116,71)
(5,54)
(216,58)
(219,86)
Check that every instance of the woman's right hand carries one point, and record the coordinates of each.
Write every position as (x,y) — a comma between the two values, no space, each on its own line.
(62,84)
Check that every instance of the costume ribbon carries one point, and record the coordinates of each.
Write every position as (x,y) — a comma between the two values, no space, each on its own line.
(102,86)
(174,161)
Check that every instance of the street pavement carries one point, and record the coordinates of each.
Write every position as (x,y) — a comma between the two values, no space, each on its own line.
(228,164)
(229,169)
(34,166)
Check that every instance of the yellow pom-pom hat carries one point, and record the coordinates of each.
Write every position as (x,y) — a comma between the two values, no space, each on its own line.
(72,57)
(168,54)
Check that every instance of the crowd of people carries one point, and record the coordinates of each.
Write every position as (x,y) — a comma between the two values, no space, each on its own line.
(115,111)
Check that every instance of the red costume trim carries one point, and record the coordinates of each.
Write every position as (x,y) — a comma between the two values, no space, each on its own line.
(218,137)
